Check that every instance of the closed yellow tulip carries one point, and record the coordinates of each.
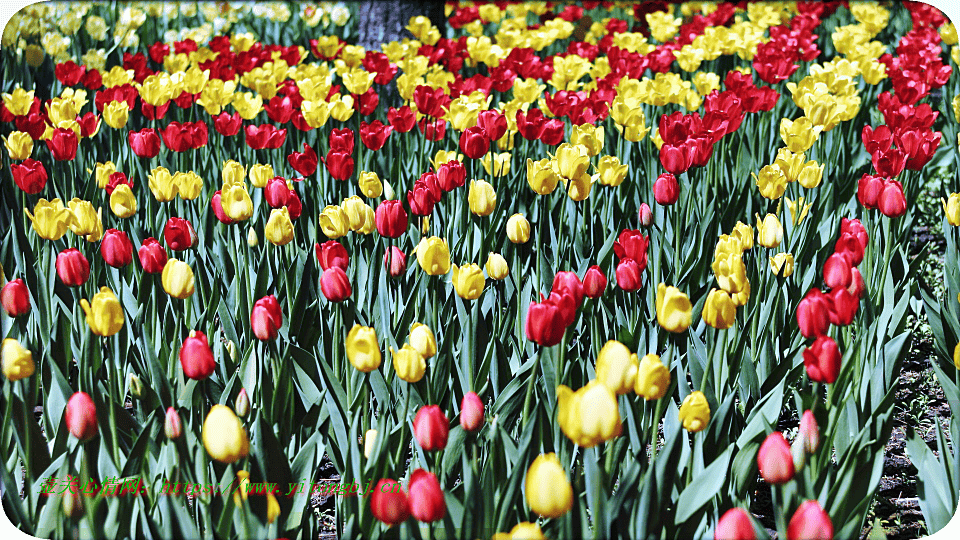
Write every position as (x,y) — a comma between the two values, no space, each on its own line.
(177,279)
(541,177)
(956,356)
(19,145)
(273,507)
(260,174)
(951,208)
(279,228)
(653,378)
(334,222)
(433,254)
(362,348)
(468,281)
(730,272)
(17,361)
(116,113)
(496,267)
(86,220)
(547,488)
(233,173)
(695,412)
(370,184)
(482,198)
(590,415)
(236,202)
(743,233)
(522,531)
(518,229)
(355,210)
(50,219)
(103,172)
(188,185)
(104,315)
(223,435)
(769,231)
(369,442)
(161,184)
(719,310)
(673,309)
(617,367)
(782,264)
(122,202)
(408,363)
(423,340)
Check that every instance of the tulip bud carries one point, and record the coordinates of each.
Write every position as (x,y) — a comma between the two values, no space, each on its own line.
(774,459)
(369,442)
(136,387)
(395,261)
(594,282)
(798,456)
(15,298)
(196,358)
(646,215)
(423,340)
(695,412)
(431,427)
(809,521)
(426,497)
(223,435)
(471,412)
(389,502)
(266,318)
(809,432)
(547,488)
(242,403)
(735,524)
(362,348)
(72,504)
(252,239)
(666,189)
(177,279)
(335,285)
(408,363)
(171,424)
(73,268)
(496,266)
(81,416)
(518,229)
(17,361)
(152,256)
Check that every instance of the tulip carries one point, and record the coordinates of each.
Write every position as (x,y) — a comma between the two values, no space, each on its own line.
(408,363)
(451,174)
(811,175)
(279,228)
(809,433)
(782,264)
(617,367)
(144,143)
(631,244)
(809,522)
(482,198)
(391,219)
(590,415)
(666,189)
(571,161)
(774,459)
(223,435)
(304,162)
(629,275)
(50,219)
(544,323)
(719,311)
(15,298)
(104,314)
(673,309)
(178,233)
(152,256)
(547,488)
(370,184)
(216,203)
(196,358)
(891,201)
(522,531)
(653,378)
(799,135)
(468,281)
(123,204)
(837,271)
(769,231)
(18,362)
(496,267)
(395,261)
(19,145)
(594,282)
(695,412)
(813,314)
(471,412)
(332,253)
(956,356)
(362,348)
(431,427)
(266,318)
(569,283)
(426,497)
(611,172)
(276,192)
(177,279)
(86,220)
(735,524)
(236,203)
(474,143)
(30,176)
(645,215)
(518,229)
(369,442)
(172,426)
(73,269)
(389,503)
(951,207)
(335,285)
(63,144)
(252,239)
(81,416)
(541,177)
(433,254)
(334,222)
(822,360)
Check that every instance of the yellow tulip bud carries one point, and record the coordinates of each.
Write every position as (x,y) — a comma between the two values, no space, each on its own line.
(122,202)
(104,315)
(547,488)
(482,198)
(370,184)
(782,264)
(408,363)
(17,361)
(496,266)
(252,238)
(423,340)
(695,412)
(617,367)
(590,415)
(468,281)
(177,279)
(369,442)
(673,309)
(719,310)
(498,165)
(362,348)
(433,255)
(653,378)
(223,435)
(279,228)
(86,220)
(769,231)
(233,173)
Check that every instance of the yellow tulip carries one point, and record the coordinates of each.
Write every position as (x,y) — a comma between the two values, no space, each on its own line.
(17,361)
(588,136)
(811,175)
(355,210)
(362,348)
(522,531)
(571,161)
(590,415)
(695,412)
(177,279)
(369,442)
(223,435)
(730,271)
(468,281)
(496,267)
(19,145)
(790,163)
(951,208)
(116,113)
(498,165)
(541,177)
(800,134)
(86,220)
(104,315)
(769,231)
(433,255)
(719,310)
(161,184)
(771,181)
(333,222)
(653,378)
(797,206)
(956,356)
(103,172)
(518,229)
(423,340)
(578,188)
(261,174)
(236,202)
(482,198)
(547,488)
(19,101)
(782,262)
(611,172)
(233,173)
(279,228)
(50,219)
(273,507)
(408,363)
(122,202)
(673,309)
(743,233)
(189,185)
(370,184)
(617,367)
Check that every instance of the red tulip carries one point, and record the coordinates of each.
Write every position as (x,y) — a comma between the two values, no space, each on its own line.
(809,432)
(735,524)
(73,269)
(63,144)
(451,175)
(843,306)
(178,233)
(629,275)
(155,113)
(891,200)
(877,140)
(395,260)
(868,190)
(426,497)
(857,287)
(279,109)
(335,285)
(89,124)
(809,522)
(568,282)
(366,103)
(217,207)
(15,297)
(81,416)
(822,360)
(594,282)
(294,206)
(813,314)
(848,246)
(424,195)
(227,125)
(433,130)
(666,189)
(552,133)
(116,249)
(68,73)
(389,503)
(391,219)
(374,135)
(276,192)
(340,165)
(431,101)
(196,358)
(530,125)
(837,270)
(264,136)
(152,256)
(144,143)
(402,119)
(304,162)
(473,143)
(775,460)
(889,163)
(544,323)
(492,123)
(172,426)
(341,140)
(332,253)
(115,180)
(471,412)
(33,124)
(645,215)
(431,427)
(632,244)
(266,318)
(856,228)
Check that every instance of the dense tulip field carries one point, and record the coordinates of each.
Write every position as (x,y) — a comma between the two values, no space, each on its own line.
(554,270)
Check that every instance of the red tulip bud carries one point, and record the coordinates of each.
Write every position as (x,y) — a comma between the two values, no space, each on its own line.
(735,524)
(196,356)
(809,521)
(594,282)
(171,424)
(389,502)
(15,298)
(471,413)
(646,215)
(395,260)
(431,428)
(82,416)
(774,459)
(426,497)
(73,268)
